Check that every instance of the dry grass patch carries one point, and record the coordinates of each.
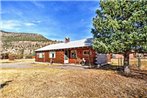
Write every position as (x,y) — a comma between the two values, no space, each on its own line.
(8,61)
(45,83)
(16,60)
(40,64)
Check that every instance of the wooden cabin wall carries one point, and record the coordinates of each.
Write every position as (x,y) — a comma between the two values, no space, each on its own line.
(60,56)
(89,58)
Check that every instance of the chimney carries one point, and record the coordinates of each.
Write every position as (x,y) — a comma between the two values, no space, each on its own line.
(67,39)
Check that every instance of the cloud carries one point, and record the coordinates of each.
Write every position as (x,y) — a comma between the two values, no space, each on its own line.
(15,24)
(29,24)
(12,11)
(36,21)
(17,12)
(10,24)
(38,4)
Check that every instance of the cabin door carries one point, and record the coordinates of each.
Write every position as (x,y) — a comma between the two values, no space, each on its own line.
(66,56)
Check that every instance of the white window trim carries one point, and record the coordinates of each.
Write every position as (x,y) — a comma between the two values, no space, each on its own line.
(41,55)
(50,54)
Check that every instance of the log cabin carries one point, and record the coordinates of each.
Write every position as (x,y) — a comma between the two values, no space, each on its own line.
(67,52)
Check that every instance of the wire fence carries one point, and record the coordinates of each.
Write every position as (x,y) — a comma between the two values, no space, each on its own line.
(138,62)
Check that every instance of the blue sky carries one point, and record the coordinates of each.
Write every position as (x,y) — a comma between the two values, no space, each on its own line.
(53,19)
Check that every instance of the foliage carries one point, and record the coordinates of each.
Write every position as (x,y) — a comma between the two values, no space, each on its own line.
(12,56)
(121,26)
(18,56)
(29,56)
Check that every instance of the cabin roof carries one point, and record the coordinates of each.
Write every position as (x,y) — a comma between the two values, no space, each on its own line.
(73,44)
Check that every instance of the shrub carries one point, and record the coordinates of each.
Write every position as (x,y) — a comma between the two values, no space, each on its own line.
(28,56)
(11,56)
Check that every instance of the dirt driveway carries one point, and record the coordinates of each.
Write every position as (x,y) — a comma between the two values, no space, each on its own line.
(16,65)
(22,64)
(29,65)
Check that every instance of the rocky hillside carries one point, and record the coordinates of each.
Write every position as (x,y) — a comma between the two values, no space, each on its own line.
(22,44)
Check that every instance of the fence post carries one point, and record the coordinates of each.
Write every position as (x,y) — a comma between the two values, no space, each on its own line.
(139,62)
(121,61)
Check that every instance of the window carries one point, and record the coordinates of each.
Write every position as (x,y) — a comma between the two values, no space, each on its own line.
(113,56)
(40,55)
(86,52)
(73,54)
(52,54)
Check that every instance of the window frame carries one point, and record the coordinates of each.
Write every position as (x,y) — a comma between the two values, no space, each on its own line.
(75,51)
(51,54)
(88,53)
(41,55)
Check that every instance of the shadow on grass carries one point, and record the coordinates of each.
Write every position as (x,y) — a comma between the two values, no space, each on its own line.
(112,67)
(4,84)
(135,73)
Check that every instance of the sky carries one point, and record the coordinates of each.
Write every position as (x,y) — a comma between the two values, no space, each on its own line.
(53,19)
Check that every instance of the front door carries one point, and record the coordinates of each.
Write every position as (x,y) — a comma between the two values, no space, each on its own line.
(66,56)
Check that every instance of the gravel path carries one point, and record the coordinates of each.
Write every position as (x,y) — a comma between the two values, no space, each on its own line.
(16,65)
(28,65)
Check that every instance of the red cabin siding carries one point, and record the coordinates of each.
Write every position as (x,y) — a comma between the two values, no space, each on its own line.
(59,58)
(89,58)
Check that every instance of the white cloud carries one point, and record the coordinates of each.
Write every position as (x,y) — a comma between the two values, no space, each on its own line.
(10,24)
(38,4)
(29,24)
(15,24)
(38,21)
(14,11)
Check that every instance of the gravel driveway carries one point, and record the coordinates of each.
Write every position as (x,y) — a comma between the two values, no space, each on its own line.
(29,65)
(16,65)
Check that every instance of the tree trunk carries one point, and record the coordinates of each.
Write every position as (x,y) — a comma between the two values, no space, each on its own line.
(126,63)
(126,59)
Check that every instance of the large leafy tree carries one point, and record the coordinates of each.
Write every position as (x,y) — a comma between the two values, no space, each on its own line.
(120,26)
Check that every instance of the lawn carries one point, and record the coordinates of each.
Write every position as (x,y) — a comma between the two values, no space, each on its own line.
(85,83)
(16,60)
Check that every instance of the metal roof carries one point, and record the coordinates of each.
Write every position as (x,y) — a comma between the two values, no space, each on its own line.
(72,44)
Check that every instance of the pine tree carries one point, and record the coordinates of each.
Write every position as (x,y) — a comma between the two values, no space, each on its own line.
(120,26)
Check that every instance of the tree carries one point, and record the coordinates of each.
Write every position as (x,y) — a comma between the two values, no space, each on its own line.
(120,26)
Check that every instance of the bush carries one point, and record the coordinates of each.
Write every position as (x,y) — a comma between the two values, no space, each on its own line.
(11,56)
(18,56)
(28,56)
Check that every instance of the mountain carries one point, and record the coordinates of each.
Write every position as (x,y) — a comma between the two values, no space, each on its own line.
(22,44)
(13,36)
